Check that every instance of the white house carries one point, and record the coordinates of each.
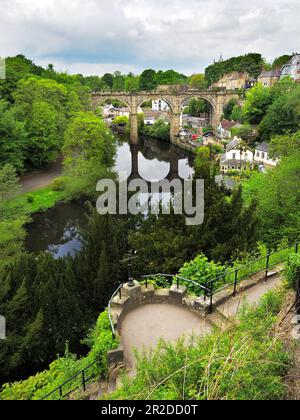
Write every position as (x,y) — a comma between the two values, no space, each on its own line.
(149,121)
(109,110)
(238,156)
(292,69)
(160,105)
(262,156)
(224,129)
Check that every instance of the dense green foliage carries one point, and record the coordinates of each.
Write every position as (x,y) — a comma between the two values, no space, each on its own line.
(293,270)
(100,341)
(164,242)
(250,63)
(277,193)
(89,149)
(35,107)
(196,107)
(159,130)
(47,302)
(247,361)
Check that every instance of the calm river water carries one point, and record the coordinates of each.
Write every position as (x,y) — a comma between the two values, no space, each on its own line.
(58,229)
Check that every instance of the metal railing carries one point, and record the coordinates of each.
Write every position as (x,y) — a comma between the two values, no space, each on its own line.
(84,378)
(234,277)
(118,291)
(179,279)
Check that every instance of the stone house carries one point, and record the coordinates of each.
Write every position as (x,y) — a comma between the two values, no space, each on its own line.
(234,80)
(269,78)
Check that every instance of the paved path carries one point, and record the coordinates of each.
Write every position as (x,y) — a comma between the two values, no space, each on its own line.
(41,179)
(252,295)
(144,326)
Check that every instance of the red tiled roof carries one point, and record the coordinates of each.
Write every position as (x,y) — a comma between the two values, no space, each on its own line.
(226,124)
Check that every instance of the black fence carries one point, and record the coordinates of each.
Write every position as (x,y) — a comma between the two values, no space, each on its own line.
(231,278)
(78,381)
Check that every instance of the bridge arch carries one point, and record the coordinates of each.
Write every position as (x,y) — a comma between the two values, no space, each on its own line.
(202,97)
(102,101)
(156,98)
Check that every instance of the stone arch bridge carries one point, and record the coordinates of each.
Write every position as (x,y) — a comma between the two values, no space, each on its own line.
(174,98)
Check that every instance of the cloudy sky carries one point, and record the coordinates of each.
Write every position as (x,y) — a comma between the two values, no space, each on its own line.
(95,36)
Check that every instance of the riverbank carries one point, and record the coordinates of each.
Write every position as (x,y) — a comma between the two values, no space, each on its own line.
(42,178)
(37,201)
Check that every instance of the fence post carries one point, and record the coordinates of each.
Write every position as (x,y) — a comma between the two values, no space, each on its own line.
(60,392)
(120,292)
(177,282)
(235,281)
(296,248)
(267,268)
(211,297)
(147,283)
(83,381)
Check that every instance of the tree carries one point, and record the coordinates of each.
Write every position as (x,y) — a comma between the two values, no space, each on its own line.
(170,77)
(108,79)
(281,61)
(148,80)
(45,142)
(9,183)
(285,145)
(237,113)
(228,109)
(89,149)
(258,99)
(197,107)
(132,83)
(283,116)
(13,138)
(245,132)
(277,193)
(159,130)
(119,83)
(197,81)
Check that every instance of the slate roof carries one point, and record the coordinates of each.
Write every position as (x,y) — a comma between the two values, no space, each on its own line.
(263,147)
(271,73)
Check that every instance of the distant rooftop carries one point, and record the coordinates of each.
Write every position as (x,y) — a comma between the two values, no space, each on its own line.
(263,147)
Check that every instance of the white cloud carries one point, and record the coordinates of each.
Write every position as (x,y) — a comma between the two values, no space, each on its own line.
(97,35)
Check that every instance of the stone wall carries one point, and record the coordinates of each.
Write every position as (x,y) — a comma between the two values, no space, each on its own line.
(139,295)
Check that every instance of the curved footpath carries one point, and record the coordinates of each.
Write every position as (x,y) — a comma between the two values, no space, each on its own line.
(145,325)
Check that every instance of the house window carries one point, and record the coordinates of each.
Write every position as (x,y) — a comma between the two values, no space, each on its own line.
(263,155)
(234,156)
(265,84)
(257,154)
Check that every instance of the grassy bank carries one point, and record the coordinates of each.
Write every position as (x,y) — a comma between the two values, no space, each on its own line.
(36,201)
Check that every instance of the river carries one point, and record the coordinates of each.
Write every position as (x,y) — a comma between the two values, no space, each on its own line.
(58,230)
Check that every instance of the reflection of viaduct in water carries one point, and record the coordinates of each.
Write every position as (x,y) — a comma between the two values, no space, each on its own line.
(175,98)
(170,155)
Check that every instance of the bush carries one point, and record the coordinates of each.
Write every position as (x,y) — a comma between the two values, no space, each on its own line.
(30,198)
(293,270)
(216,149)
(59,184)
(201,271)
